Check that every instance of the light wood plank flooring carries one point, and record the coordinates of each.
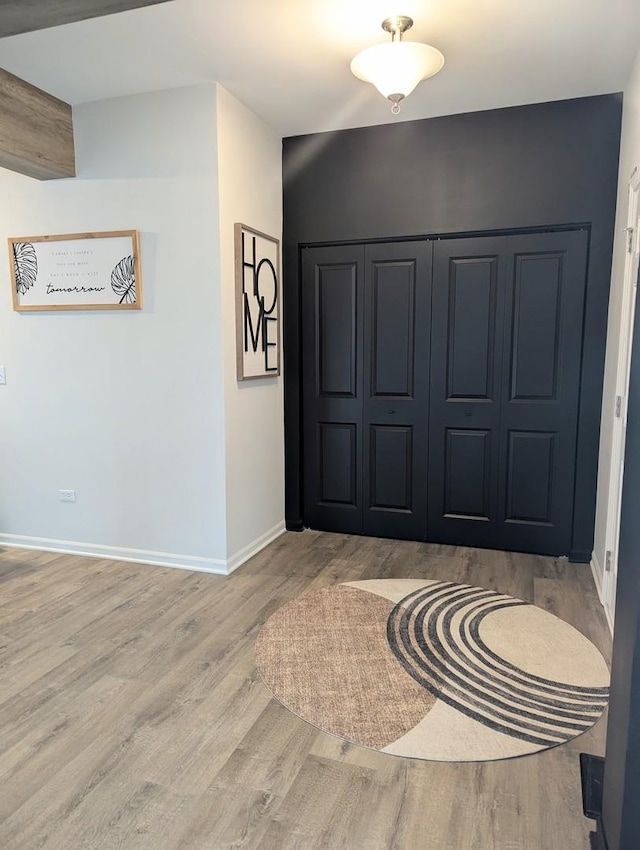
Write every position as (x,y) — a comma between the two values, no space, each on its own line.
(132,716)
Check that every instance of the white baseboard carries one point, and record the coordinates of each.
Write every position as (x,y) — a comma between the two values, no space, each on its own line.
(255,546)
(217,566)
(607,614)
(597,572)
(116,553)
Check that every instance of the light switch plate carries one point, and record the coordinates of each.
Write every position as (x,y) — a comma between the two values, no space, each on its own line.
(3,375)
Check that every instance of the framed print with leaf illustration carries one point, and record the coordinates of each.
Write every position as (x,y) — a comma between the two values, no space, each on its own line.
(257,304)
(76,271)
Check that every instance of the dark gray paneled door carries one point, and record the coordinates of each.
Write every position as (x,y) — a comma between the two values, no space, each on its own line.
(332,375)
(505,380)
(396,388)
(444,411)
(365,331)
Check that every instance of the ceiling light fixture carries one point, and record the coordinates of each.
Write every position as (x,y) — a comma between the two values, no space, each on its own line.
(395,68)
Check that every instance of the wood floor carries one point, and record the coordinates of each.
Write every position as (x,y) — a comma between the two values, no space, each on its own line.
(132,716)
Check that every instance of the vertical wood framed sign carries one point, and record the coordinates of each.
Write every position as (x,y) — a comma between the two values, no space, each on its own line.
(257,258)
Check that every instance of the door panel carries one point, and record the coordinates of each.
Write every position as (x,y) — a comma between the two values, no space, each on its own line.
(390,467)
(471,333)
(393,296)
(335,330)
(535,326)
(332,321)
(530,471)
(467,474)
(396,394)
(528,415)
(337,463)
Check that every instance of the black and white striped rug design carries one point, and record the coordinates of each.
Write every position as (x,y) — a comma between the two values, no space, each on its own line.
(434,633)
(433,669)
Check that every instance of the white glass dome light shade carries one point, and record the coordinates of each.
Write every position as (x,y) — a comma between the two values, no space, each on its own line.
(396,67)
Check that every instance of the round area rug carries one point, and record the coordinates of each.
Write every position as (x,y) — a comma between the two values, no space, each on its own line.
(432,669)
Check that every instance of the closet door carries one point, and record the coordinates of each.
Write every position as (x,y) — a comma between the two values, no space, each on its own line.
(365,331)
(469,277)
(505,378)
(544,316)
(332,376)
(396,388)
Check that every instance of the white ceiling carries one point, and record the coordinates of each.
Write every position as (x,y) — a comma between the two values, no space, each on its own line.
(288,60)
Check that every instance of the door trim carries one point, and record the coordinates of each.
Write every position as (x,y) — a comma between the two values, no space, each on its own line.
(606,579)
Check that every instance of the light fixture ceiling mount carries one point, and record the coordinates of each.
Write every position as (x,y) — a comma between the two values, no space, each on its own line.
(397,25)
(395,68)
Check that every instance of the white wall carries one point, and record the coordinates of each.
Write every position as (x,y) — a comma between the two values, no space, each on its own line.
(250,185)
(125,407)
(172,460)
(629,159)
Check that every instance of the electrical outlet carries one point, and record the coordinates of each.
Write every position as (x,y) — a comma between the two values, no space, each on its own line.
(67,495)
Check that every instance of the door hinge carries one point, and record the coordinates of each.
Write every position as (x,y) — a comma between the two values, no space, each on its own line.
(607,561)
(630,235)
(618,406)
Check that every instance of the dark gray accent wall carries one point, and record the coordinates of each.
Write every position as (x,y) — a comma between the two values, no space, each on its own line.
(537,166)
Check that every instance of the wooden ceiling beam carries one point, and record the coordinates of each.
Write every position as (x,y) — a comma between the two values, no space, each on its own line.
(18,16)
(36,131)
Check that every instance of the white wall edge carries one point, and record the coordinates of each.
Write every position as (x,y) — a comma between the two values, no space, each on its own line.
(116,553)
(255,546)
